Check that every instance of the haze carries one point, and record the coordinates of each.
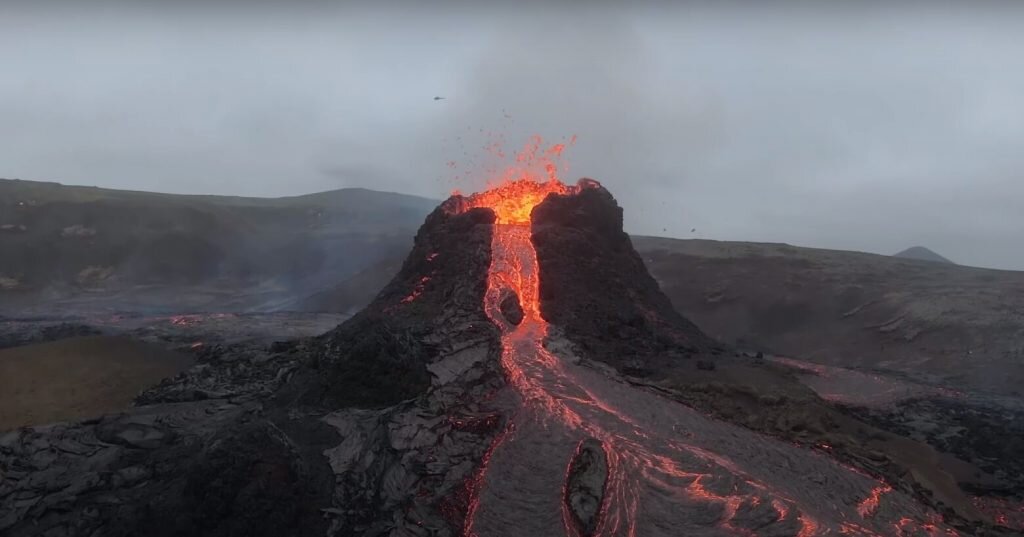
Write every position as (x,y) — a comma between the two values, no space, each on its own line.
(857,128)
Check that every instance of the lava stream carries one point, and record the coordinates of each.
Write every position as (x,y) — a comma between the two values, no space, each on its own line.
(657,484)
(552,399)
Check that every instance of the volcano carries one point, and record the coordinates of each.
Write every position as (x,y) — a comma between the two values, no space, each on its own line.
(502,384)
(508,336)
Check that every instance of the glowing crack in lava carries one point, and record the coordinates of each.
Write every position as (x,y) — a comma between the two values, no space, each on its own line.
(671,470)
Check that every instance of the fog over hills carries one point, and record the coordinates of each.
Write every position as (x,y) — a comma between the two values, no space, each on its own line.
(743,120)
(112,249)
(85,249)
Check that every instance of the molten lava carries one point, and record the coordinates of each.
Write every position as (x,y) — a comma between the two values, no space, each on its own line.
(560,406)
(870,504)
(547,389)
(523,184)
(513,202)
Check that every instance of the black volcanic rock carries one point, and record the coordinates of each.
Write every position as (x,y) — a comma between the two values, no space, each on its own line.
(374,428)
(250,481)
(446,269)
(208,468)
(584,490)
(510,308)
(595,286)
(380,356)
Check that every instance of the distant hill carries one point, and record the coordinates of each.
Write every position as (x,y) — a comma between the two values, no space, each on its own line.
(66,249)
(922,254)
(925,320)
(930,321)
(350,294)
(93,248)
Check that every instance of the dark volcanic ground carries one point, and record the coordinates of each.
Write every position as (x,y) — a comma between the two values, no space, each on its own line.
(942,324)
(409,418)
(380,421)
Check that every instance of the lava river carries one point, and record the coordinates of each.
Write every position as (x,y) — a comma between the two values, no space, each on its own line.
(672,470)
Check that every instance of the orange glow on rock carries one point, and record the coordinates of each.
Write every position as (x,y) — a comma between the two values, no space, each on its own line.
(513,192)
(514,267)
(552,395)
(870,504)
(513,202)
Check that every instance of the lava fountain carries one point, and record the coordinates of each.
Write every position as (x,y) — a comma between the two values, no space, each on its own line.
(670,470)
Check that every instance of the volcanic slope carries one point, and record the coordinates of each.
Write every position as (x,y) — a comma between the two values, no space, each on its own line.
(373,428)
(936,323)
(455,405)
(670,469)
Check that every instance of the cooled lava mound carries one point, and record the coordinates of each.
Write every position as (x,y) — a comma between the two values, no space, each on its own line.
(380,356)
(595,286)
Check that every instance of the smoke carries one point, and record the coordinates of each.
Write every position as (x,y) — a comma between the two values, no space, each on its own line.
(586,74)
(842,125)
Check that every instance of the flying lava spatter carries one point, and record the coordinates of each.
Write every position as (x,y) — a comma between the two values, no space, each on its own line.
(552,398)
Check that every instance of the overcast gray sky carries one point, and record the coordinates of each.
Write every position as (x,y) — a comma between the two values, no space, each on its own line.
(864,128)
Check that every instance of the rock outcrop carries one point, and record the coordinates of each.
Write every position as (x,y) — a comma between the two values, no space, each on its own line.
(595,286)
(510,308)
(211,467)
(585,486)
(381,355)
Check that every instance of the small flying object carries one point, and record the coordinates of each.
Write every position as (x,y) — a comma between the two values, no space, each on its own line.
(693,230)
(438,98)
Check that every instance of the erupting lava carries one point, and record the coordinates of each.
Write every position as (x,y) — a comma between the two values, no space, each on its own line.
(656,483)
(513,202)
(547,388)
(524,184)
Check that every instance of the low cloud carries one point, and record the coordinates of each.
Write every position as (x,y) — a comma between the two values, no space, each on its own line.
(869,128)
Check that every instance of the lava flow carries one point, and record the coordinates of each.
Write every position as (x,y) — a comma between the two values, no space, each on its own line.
(552,398)
(657,482)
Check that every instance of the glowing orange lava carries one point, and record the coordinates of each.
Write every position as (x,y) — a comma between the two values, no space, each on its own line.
(514,267)
(524,183)
(553,395)
(513,202)
(870,504)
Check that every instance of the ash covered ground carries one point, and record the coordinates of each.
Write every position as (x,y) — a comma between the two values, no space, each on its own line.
(516,377)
